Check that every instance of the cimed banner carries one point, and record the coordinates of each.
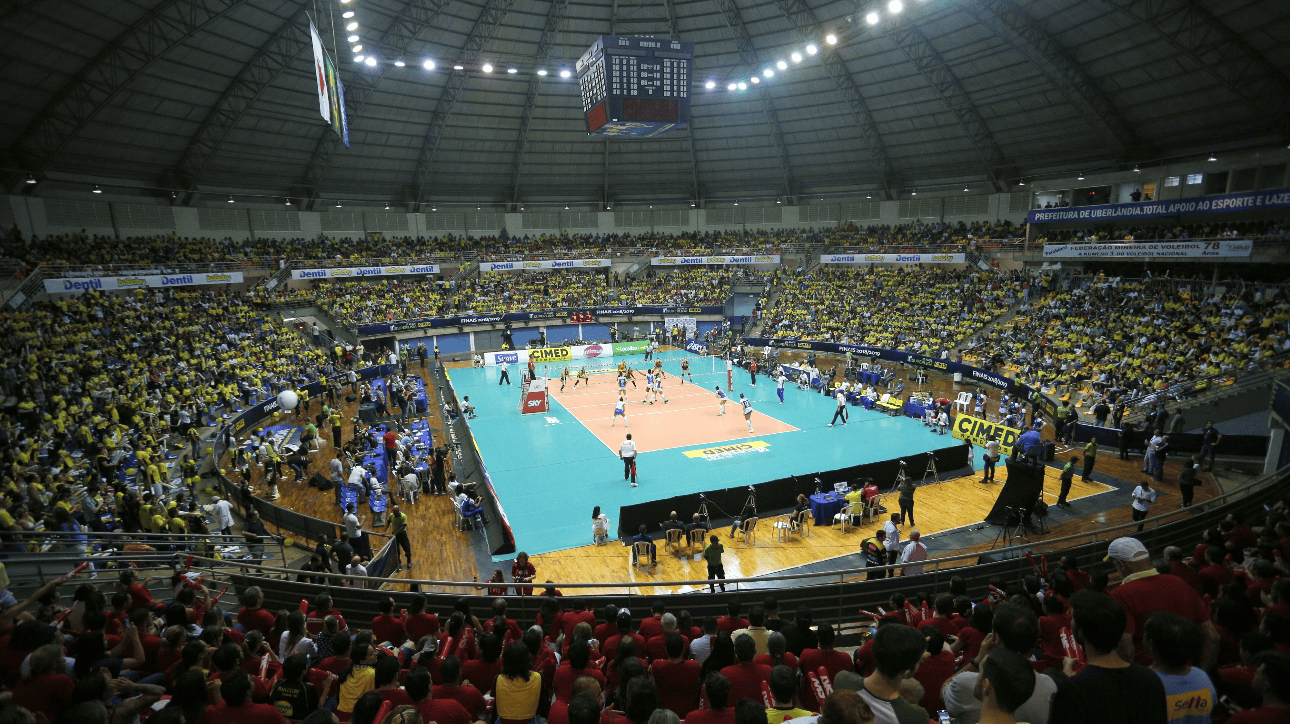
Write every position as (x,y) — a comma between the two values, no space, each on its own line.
(1233,248)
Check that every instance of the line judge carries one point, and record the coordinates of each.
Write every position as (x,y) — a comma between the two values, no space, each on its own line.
(627,452)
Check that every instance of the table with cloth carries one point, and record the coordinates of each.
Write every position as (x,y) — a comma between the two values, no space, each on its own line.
(826,505)
(913,409)
(793,372)
(420,403)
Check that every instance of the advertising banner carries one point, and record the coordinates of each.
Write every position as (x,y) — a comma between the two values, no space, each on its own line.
(545,265)
(354,272)
(1142,249)
(723,259)
(107,284)
(437,322)
(624,348)
(696,347)
(1223,203)
(978,432)
(549,354)
(937,258)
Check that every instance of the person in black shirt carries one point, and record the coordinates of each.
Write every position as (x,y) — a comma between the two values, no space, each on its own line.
(1108,690)
(799,634)
(342,552)
(1209,439)
(291,696)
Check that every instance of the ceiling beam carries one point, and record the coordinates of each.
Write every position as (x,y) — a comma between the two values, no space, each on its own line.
(1019,30)
(278,52)
(488,21)
(748,57)
(109,72)
(911,41)
(809,30)
(1219,51)
(416,16)
(670,7)
(554,19)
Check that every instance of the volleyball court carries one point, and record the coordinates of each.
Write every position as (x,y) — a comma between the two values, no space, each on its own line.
(687,418)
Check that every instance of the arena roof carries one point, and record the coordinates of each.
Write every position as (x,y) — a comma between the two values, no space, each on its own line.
(217,95)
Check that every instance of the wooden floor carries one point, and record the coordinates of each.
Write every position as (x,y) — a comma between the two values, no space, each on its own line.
(442,553)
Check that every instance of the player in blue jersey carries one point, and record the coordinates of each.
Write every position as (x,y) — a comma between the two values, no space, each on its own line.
(721,401)
(747,404)
(649,387)
(779,386)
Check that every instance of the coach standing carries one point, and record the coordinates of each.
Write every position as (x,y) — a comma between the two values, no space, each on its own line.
(627,452)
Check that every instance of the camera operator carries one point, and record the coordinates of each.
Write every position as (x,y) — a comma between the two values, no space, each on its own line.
(749,511)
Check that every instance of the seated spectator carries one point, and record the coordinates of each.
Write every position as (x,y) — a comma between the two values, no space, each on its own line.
(464,693)
(746,677)
(677,678)
(832,661)
(518,687)
(1007,683)
(431,708)
(1143,592)
(897,651)
(1272,681)
(1174,643)
(1015,628)
(717,690)
(935,668)
(236,706)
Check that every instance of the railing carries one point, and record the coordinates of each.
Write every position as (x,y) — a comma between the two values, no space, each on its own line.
(1196,392)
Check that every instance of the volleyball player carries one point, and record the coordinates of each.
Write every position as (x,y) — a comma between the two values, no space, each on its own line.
(685,371)
(658,369)
(979,406)
(747,404)
(622,383)
(649,387)
(582,377)
(564,377)
(721,401)
(631,376)
(620,410)
(779,386)
(658,387)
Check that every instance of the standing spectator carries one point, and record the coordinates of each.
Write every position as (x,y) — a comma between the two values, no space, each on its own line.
(1143,592)
(891,541)
(1068,476)
(712,554)
(353,524)
(1090,457)
(1143,497)
(1210,438)
(875,555)
(1174,642)
(522,571)
(399,528)
(1187,480)
(906,500)
(1107,690)
(914,552)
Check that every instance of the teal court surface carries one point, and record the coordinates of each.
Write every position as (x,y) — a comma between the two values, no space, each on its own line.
(550,469)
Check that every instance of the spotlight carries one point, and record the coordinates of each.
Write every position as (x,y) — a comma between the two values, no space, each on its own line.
(768,73)
(1136,169)
(512,70)
(871,18)
(542,72)
(371,61)
(459,67)
(347,14)
(1081,176)
(487,67)
(288,202)
(781,65)
(352,38)
(357,48)
(358,59)
(796,57)
(755,80)
(895,6)
(831,39)
(31,178)
(564,73)
(736,202)
(230,199)
(428,65)
(387,207)
(710,84)
(338,204)
(732,86)
(97,190)
(351,27)
(743,86)
(399,64)
(1212,157)
(811,49)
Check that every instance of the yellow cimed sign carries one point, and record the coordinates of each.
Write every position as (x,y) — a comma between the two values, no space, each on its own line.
(551,354)
(978,432)
(724,451)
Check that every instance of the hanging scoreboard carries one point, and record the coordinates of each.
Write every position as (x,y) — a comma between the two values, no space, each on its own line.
(634,86)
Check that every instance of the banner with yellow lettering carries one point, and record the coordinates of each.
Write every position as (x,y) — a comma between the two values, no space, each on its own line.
(978,432)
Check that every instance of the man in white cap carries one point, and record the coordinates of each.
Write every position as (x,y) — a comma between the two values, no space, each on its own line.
(1143,592)
(914,552)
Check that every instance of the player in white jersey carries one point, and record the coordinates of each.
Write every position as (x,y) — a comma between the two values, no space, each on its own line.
(747,403)
(979,407)
(622,383)
(779,386)
(649,387)
(721,401)
(620,410)
(658,388)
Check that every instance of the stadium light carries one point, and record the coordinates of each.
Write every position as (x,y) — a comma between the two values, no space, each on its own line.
(1136,169)
(1212,157)
(459,67)
(542,72)
(732,86)
(97,190)
(358,59)
(736,202)
(338,204)
(871,18)
(387,206)
(1081,176)
(399,64)
(352,38)
(371,61)
(743,86)
(781,65)
(831,39)
(796,57)
(352,27)
(288,202)
(914,192)
(566,207)
(428,65)
(755,80)
(31,178)
(347,14)
(434,208)
(512,71)
(710,84)
(692,204)
(965,189)
(358,48)
(487,67)
(768,73)
(811,49)
(1021,182)
(564,73)
(230,199)
(868,196)
(895,6)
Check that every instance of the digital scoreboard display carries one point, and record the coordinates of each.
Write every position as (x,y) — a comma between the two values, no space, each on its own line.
(634,86)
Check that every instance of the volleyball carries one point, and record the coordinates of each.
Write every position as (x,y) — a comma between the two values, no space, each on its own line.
(288,399)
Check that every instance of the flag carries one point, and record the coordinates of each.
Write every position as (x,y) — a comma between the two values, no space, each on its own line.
(330,76)
(320,74)
(344,119)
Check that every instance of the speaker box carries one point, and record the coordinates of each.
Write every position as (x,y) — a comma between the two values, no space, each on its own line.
(351,398)
(318,480)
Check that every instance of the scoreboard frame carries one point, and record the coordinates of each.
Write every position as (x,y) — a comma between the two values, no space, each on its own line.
(635,86)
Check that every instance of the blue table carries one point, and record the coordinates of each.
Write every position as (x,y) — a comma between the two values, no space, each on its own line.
(914,409)
(826,505)
(419,400)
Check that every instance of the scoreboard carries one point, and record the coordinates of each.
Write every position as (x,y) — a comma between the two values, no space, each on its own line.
(635,86)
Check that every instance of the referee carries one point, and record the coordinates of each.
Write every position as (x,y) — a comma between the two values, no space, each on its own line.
(627,451)
(505,376)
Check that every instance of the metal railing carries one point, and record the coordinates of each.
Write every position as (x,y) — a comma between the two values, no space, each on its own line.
(159,267)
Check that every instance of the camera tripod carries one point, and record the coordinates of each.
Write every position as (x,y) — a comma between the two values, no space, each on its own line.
(1011,532)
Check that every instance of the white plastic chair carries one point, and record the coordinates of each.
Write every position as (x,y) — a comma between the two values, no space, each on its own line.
(843,517)
(748,529)
(640,551)
(963,402)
